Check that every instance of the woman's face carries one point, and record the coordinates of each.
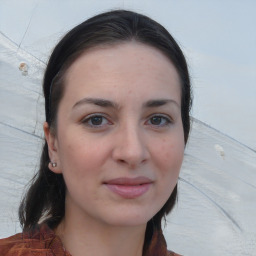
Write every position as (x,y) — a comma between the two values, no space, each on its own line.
(120,141)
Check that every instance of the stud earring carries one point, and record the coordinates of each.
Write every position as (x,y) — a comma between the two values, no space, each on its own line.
(54,164)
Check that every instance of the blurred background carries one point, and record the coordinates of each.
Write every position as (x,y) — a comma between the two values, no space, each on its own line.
(216,210)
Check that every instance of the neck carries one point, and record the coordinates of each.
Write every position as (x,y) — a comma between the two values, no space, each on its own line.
(83,236)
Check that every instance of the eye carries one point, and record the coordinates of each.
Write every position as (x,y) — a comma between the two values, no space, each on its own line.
(96,121)
(159,120)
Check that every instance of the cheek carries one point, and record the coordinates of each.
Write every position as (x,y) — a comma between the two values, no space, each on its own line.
(81,156)
(169,155)
(81,167)
(168,158)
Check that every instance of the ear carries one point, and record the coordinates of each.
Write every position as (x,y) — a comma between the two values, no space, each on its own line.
(52,149)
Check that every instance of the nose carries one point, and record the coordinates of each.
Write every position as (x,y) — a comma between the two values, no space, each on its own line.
(130,147)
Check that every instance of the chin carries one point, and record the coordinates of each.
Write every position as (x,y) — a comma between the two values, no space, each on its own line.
(129,218)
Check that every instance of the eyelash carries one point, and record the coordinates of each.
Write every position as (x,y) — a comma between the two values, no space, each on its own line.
(88,121)
(167,119)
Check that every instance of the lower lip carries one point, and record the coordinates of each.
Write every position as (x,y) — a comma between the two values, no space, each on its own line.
(128,191)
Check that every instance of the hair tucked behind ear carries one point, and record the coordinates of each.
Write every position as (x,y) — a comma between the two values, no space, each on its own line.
(45,199)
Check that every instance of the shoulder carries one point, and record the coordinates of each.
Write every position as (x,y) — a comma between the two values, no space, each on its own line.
(170,253)
(8,245)
(40,241)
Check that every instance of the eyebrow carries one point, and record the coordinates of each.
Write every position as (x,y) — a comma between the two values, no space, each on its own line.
(110,104)
(159,103)
(97,102)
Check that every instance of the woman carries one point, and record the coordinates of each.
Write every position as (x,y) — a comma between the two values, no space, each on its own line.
(117,102)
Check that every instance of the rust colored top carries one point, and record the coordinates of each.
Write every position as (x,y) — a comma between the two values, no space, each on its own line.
(42,241)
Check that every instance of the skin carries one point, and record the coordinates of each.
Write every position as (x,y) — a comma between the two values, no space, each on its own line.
(139,133)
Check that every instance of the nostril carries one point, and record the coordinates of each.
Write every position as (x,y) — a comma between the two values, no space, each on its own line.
(130,150)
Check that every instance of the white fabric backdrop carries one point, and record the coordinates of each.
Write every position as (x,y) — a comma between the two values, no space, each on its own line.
(216,209)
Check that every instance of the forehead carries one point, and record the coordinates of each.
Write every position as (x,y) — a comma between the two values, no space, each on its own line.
(134,66)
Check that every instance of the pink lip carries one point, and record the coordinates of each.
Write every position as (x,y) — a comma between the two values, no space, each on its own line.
(129,187)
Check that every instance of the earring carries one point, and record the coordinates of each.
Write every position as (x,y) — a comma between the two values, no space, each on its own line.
(54,164)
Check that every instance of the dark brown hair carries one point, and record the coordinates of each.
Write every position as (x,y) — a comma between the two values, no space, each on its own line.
(46,195)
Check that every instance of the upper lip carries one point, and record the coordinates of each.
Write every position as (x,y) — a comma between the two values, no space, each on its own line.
(129,181)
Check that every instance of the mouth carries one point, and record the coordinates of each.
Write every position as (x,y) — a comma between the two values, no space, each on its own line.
(129,188)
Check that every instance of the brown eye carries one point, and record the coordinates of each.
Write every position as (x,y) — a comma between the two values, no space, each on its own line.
(96,120)
(159,121)
(156,120)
